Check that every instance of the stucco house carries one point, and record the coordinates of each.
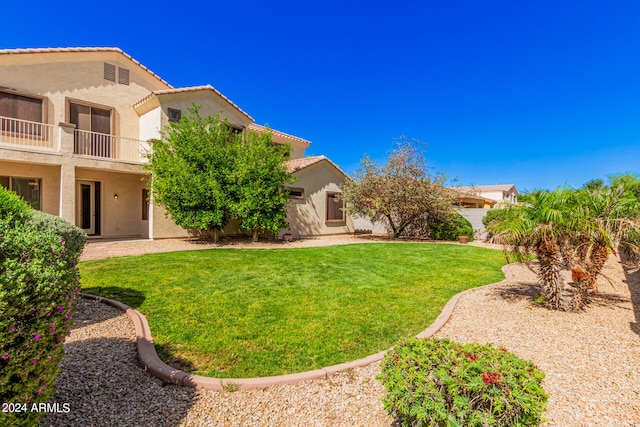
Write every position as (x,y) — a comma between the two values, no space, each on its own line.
(75,124)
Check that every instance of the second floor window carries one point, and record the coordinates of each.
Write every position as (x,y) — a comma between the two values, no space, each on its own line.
(14,108)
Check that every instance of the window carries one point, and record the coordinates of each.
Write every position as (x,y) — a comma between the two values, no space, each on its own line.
(93,129)
(335,205)
(145,204)
(296,193)
(15,106)
(30,189)
(174,115)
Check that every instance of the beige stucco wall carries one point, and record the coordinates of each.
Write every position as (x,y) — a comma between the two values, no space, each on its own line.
(50,175)
(308,216)
(61,76)
(121,217)
(164,227)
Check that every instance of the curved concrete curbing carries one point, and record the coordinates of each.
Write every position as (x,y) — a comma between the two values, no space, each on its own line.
(152,363)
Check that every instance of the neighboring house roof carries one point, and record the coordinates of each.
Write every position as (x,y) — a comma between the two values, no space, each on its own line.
(277,133)
(81,50)
(206,88)
(487,188)
(296,165)
(464,196)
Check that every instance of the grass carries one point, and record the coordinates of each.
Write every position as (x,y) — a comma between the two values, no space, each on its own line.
(243,313)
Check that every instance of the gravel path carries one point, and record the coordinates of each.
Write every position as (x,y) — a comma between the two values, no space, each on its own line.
(592,362)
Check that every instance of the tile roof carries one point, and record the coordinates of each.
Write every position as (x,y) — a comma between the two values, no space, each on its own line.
(296,165)
(191,89)
(483,188)
(260,129)
(81,49)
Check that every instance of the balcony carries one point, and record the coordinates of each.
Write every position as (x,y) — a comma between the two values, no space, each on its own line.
(33,136)
(109,146)
(29,135)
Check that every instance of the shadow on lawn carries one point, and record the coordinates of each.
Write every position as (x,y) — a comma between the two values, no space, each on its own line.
(632,274)
(103,382)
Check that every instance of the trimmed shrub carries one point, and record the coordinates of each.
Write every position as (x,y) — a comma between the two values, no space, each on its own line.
(494,215)
(452,228)
(12,207)
(441,382)
(74,237)
(39,284)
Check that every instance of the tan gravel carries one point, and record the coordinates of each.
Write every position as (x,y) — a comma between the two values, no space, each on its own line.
(592,362)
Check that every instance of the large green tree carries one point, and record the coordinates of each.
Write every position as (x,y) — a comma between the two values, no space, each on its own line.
(205,174)
(259,176)
(401,193)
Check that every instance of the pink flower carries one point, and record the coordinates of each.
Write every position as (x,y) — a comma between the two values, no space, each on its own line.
(36,338)
(35,361)
(61,308)
(38,392)
(5,356)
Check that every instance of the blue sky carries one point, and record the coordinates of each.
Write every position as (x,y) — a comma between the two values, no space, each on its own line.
(538,94)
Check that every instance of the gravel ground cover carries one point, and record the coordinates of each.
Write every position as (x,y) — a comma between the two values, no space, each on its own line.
(592,362)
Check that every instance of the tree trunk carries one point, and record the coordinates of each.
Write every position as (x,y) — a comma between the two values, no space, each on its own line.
(550,260)
(254,237)
(215,235)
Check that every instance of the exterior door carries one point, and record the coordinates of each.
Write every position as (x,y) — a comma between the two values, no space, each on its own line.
(87,207)
(93,129)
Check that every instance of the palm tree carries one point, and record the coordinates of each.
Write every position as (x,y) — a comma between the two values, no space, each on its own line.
(541,226)
(603,222)
(567,229)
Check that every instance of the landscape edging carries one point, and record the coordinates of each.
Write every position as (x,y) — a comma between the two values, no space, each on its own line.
(151,362)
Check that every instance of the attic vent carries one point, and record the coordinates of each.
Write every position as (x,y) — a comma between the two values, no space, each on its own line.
(123,76)
(109,72)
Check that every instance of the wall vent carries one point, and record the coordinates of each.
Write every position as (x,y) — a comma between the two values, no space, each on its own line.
(109,72)
(123,76)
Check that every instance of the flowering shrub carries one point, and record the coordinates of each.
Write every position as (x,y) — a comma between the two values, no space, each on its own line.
(441,382)
(39,284)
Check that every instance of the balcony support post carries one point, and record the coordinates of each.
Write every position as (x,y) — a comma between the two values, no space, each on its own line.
(67,173)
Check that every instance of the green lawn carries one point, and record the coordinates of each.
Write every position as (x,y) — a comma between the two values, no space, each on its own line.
(243,313)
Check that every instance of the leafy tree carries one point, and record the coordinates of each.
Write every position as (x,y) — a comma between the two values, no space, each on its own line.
(190,167)
(206,174)
(259,176)
(401,194)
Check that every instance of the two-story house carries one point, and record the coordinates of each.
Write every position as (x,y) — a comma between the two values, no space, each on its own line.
(75,127)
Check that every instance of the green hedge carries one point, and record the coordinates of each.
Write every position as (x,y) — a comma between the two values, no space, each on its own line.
(451,229)
(434,382)
(39,284)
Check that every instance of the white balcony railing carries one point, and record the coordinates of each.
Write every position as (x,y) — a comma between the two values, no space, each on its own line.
(38,136)
(32,135)
(109,146)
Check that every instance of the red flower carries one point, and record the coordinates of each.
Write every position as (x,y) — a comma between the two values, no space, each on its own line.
(491,377)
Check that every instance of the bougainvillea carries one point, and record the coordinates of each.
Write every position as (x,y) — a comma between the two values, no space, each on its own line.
(39,284)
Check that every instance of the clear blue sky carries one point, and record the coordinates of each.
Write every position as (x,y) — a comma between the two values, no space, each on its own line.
(536,93)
